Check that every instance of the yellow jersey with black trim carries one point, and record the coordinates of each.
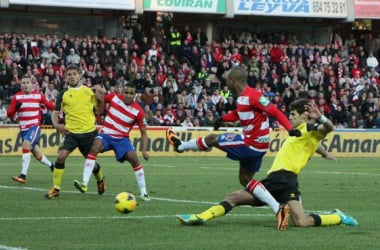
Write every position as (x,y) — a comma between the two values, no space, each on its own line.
(78,105)
(295,152)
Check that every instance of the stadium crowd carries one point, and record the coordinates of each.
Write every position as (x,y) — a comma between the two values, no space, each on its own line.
(180,76)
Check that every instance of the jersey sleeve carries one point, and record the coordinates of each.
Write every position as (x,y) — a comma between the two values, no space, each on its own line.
(108,97)
(231,116)
(262,103)
(12,107)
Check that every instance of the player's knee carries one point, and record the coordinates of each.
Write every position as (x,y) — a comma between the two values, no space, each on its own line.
(244,180)
(26,145)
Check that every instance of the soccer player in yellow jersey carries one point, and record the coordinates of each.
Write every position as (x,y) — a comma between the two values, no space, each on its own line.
(282,179)
(79,104)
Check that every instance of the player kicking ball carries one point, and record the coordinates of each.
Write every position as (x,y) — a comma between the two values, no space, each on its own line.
(282,178)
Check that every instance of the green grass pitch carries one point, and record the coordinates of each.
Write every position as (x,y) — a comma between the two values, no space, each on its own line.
(183,185)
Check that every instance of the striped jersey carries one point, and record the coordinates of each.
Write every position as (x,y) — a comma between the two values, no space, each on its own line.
(252,109)
(29,113)
(121,117)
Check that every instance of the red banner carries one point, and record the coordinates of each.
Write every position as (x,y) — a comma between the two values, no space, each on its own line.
(367,9)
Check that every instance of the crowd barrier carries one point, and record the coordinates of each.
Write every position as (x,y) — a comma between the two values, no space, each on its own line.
(342,142)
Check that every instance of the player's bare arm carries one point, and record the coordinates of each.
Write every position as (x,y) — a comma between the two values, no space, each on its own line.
(144,143)
(61,128)
(100,92)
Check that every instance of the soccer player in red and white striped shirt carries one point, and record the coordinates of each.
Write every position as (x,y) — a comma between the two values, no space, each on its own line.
(252,111)
(27,105)
(122,115)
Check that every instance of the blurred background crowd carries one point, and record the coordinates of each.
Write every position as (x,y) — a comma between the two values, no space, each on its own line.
(180,76)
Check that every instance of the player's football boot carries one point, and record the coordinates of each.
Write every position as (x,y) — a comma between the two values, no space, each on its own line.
(101,185)
(190,219)
(145,197)
(346,219)
(80,186)
(282,217)
(19,179)
(53,193)
(173,139)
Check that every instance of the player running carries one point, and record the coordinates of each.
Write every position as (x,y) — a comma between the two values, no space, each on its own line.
(79,104)
(122,114)
(27,105)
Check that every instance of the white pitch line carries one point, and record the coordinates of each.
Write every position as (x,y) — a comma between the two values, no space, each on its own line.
(128,217)
(3,247)
(158,199)
(348,173)
(164,166)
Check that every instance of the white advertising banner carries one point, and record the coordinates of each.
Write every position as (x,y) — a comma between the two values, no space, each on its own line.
(190,6)
(293,8)
(91,4)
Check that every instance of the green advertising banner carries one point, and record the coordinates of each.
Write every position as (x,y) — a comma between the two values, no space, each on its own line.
(190,6)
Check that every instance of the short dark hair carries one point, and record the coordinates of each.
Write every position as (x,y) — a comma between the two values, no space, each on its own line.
(299,105)
(73,67)
(130,85)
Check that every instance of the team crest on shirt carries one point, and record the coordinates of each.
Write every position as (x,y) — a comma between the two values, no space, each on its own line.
(229,137)
(264,101)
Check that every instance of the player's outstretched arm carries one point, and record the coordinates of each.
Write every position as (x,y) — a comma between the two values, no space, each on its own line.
(321,151)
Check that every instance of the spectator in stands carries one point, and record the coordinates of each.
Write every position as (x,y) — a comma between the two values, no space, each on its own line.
(72,58)
(369,121)
(193,99)
(216,96)
(200,38)
(187,122)
(157,119)
(169,117)
(148,114)
(3,112)
(348,70)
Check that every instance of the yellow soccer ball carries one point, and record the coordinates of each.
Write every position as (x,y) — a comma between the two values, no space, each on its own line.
(125,202)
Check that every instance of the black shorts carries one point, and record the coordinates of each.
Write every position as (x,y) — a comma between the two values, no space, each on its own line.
(81,141)
(283,185)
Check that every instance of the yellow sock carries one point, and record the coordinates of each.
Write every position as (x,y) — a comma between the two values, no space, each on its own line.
(330,219)
(99,175)
(212,212)
(57,177)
